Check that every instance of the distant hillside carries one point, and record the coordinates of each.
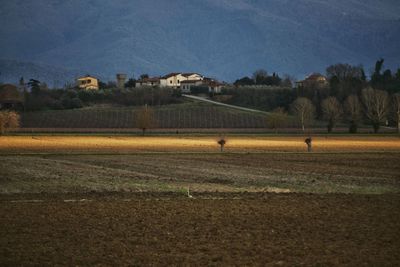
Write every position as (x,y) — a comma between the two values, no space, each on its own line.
(222,38)
(12,70)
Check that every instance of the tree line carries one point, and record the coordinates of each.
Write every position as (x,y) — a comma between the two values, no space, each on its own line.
(374,107)
(41,98)
(348,96)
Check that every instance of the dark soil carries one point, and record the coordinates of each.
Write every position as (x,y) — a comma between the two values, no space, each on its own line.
(224,229)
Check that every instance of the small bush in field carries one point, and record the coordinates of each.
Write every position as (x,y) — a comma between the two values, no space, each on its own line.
(221,142)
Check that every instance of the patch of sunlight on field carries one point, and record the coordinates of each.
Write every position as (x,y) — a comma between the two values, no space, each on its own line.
(113,144)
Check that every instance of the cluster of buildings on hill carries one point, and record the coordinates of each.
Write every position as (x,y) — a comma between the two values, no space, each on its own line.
(11,96)
(183,81)
(186,81)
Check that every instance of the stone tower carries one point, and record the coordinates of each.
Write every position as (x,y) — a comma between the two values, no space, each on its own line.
(121,79)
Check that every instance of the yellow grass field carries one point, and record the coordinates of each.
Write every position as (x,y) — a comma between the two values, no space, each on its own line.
(122,144)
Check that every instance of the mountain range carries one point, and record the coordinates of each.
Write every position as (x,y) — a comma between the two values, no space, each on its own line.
(56,40)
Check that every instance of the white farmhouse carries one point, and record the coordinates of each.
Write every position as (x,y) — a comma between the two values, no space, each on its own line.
(174,79)
(193,76)
(214,86)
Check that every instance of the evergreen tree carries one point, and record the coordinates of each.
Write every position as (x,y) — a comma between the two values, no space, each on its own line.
(35,86)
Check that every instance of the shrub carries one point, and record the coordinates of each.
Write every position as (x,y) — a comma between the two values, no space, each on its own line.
(277,119)
(71,103)
(8,120)
(199,90)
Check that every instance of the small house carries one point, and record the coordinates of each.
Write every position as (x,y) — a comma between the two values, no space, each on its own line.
(214,87)
(313,80)
(188,84)
(88,83)
(149,82)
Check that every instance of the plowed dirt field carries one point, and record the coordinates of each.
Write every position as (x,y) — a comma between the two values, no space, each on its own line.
(241,229)
(124,201)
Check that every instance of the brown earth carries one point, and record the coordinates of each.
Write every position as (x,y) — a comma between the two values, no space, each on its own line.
(202,172)
(118,201)
(243,229)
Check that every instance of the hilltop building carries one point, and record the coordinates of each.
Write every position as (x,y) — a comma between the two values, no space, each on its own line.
(149,82)
(174,79)
(314,80)
(183,81)
(212,85)
(121,79)
(88,83)
(187,85)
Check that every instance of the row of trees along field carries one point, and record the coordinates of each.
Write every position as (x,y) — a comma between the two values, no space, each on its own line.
(374,107)
(347,97)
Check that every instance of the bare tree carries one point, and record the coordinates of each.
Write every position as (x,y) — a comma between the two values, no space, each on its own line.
(376,103)
(344,71)
(259,76)
(308,142)
(277,119)
(144,118)
(396,109)
(288,81)
(222,142)
(8,120)
(352,109)
(304,111)
(332,111)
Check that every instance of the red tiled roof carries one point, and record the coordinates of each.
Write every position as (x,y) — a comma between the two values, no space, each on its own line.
(212,82)
(191,81)
(315,76)
(170,75)
(87,76)
(147,80)
(189,74)
(215,83)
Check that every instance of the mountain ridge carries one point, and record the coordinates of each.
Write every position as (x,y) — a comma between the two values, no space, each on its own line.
(219,38)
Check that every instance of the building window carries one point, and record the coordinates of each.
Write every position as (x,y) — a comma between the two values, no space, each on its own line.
(178,81)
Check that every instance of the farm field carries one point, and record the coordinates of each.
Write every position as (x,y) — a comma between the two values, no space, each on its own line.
(193,143)
(70,164)
(189,117)
(268,229)
(186,115)
(265,172)
(123,200)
